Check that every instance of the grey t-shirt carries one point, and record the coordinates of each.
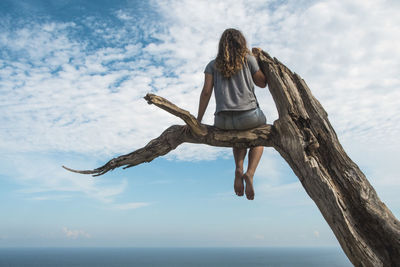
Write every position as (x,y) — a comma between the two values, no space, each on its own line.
(237,92)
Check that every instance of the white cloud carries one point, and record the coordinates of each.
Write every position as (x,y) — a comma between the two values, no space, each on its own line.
(75,234)
(62,94)
(317,234)
(130,205)
(123,15)
(93,104)
(51,197)
(65,97)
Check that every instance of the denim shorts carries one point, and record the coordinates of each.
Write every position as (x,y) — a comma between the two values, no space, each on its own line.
(239,120)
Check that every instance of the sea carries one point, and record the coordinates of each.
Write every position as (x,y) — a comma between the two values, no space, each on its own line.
(173,257)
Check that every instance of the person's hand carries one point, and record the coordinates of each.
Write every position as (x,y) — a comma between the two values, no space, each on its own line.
(256,51)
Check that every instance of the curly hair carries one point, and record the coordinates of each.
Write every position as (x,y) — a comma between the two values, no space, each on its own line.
(232,52)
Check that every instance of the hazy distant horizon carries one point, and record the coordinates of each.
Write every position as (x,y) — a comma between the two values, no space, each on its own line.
(231,257)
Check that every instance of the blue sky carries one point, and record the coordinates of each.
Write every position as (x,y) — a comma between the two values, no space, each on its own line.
(72,78)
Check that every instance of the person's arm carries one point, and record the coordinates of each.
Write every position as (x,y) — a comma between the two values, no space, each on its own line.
(205,95)
(259,79)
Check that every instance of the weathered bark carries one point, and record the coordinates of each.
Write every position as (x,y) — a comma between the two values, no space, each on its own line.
(366,229)
(178,134)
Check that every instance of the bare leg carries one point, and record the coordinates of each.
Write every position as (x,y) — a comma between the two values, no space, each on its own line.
(255,154)
(239,154)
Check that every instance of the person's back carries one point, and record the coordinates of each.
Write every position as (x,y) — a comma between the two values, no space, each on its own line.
(236,92)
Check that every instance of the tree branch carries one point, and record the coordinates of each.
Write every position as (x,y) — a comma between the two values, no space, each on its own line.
(175,135)
(196,127)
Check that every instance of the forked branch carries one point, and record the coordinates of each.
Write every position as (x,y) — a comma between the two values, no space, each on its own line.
(175,135)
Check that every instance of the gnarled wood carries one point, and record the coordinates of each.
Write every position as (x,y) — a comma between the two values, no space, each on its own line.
(366,229)
(196,127)
(178,134)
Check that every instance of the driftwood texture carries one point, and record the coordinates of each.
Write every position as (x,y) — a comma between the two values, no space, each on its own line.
(365,228)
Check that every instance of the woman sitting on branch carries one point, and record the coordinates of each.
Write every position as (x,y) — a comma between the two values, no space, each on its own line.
(232,75)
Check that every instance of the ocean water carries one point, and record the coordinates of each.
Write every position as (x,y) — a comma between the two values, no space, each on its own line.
(173,257)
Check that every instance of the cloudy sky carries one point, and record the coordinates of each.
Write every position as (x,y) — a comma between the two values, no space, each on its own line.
(72,79)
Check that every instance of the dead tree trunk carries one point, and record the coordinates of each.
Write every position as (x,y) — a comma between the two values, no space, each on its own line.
(366,229)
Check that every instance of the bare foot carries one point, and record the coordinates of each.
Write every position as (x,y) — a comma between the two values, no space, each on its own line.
(249,186)
(238,184)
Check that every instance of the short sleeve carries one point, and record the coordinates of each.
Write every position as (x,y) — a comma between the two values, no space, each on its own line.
(210,67)
(253,65)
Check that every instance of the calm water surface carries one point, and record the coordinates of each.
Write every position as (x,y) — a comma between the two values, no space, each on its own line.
(177,257)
